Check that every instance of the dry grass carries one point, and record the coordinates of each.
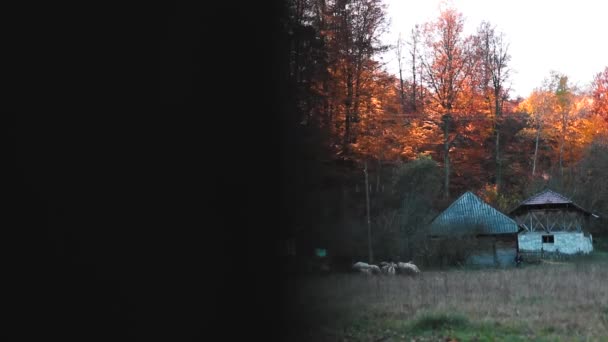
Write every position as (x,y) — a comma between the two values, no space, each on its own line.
(554,301)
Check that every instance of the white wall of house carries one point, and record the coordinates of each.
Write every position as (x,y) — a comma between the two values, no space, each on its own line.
(564,242)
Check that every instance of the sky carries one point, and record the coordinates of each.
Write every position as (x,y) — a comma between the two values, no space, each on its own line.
(569,37)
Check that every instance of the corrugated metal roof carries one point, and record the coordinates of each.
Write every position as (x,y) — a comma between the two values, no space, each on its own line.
(547,198)
(469,214)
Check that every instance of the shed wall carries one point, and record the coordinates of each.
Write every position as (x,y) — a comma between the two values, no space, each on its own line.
(564,242)
(505,254)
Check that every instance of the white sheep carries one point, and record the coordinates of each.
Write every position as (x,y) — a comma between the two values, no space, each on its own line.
(360,265)
(366,268)
(407,268)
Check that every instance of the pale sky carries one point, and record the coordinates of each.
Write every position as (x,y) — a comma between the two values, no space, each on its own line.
(543,35)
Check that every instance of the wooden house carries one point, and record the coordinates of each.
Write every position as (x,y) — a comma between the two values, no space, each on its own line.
(551,222)
(491,235)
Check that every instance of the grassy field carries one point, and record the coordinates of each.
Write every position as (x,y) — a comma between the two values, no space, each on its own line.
(545,302)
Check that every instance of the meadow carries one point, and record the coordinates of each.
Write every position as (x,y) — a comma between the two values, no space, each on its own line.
(550,301)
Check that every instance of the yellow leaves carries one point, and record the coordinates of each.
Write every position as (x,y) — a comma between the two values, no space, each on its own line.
(539,103)
(527,133)
(583,104)
(408,153)
(590,127)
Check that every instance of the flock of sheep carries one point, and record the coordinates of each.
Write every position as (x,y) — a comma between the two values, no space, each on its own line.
(388,268)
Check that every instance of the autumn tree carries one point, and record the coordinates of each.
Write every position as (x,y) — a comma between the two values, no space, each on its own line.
(306,60)
(590,124)
(600,93)
(562,119)
(564,105)
(492,73)
(539,105)
(411,89)
(447,63)
(357,26)
(570,108)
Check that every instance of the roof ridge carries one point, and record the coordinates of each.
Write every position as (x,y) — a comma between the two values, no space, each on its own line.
(547,190)
(559,194)
(482,205)
(495,210)
(448,207)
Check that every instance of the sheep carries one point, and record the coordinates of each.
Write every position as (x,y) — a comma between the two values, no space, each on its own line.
(360,265)
(375,269)
(407,268)
(366,268)
(388,268)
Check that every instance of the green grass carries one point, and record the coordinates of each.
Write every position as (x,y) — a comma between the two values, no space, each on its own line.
(440,321)
(444,326)
(456,326)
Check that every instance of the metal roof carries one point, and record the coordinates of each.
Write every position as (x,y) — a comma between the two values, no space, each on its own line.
(469,214)
(548,198)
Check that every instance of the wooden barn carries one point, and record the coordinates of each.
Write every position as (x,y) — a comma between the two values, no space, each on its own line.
(550,222)
(491,235)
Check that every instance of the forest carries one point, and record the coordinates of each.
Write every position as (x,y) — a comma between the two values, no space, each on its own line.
(369,154)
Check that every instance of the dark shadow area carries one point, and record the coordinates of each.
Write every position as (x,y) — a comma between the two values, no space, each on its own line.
(154,219)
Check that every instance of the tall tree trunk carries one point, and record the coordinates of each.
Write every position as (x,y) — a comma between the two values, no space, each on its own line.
(378,175)
(561,146)
(498,114)
(326,108)
(343,202)
(498,163)
(414,88)
(369,224)
(535,150)
(446,157)
(348,104)
(561,158)
(357,93)
(401,90)
(421,91)
(413,53)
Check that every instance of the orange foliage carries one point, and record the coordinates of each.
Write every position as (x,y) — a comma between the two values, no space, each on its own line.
(600,94)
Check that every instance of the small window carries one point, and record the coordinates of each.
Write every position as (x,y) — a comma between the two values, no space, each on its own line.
(547,238)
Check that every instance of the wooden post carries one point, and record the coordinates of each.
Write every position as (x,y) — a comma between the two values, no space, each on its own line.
(369,225)
(531,223)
